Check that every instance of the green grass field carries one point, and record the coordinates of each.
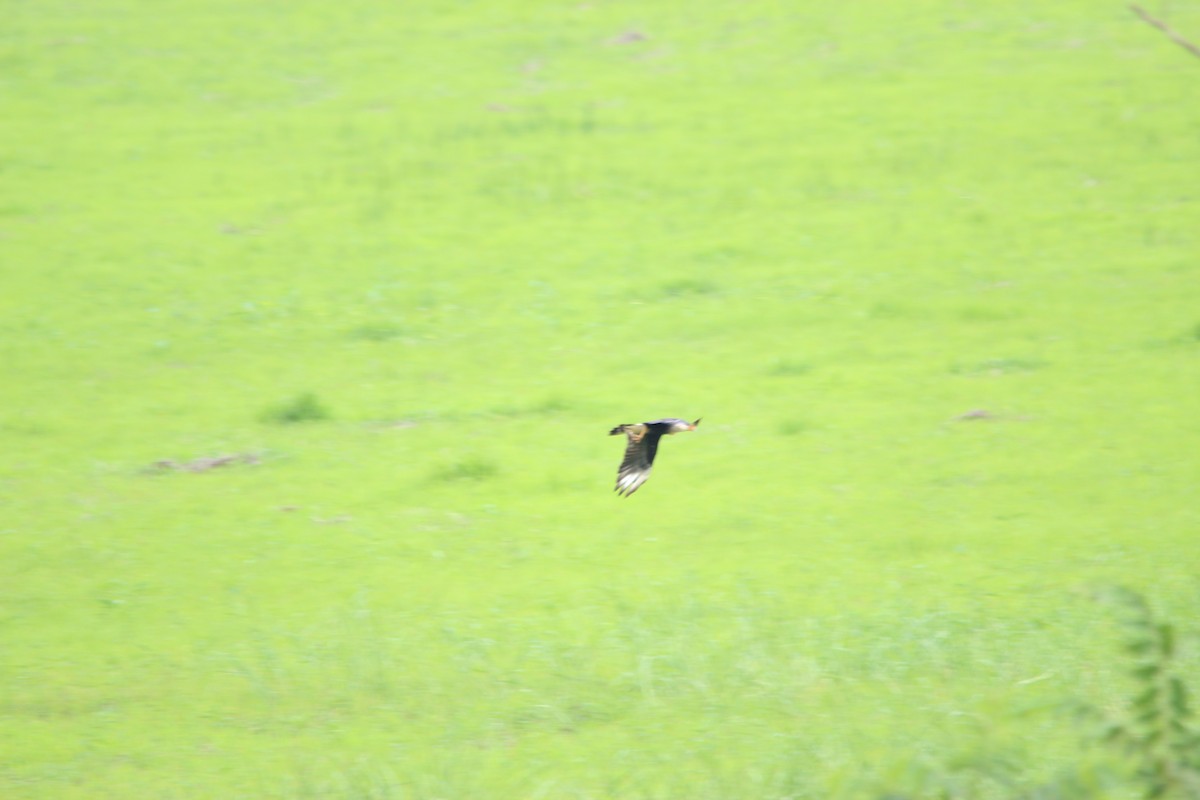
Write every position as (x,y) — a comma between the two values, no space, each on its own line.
(929,271)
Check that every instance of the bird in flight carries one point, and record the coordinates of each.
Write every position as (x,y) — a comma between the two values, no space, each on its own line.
(641,447)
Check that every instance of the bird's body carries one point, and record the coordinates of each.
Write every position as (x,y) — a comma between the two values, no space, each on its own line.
(641,447)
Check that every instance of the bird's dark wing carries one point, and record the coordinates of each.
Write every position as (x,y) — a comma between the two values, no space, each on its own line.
(639,457)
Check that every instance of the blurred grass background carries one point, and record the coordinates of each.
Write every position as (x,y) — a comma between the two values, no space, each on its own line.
(927,270)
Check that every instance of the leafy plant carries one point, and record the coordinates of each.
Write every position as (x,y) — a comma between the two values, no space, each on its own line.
(1156,731)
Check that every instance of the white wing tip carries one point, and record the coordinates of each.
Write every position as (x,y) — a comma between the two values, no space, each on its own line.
(628,484)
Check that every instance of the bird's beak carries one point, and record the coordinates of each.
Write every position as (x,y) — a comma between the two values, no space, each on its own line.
(694,424)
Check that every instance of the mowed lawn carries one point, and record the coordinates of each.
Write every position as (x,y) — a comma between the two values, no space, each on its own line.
(316,316)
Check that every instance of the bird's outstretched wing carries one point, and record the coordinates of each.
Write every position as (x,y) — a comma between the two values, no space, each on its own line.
(639,457)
